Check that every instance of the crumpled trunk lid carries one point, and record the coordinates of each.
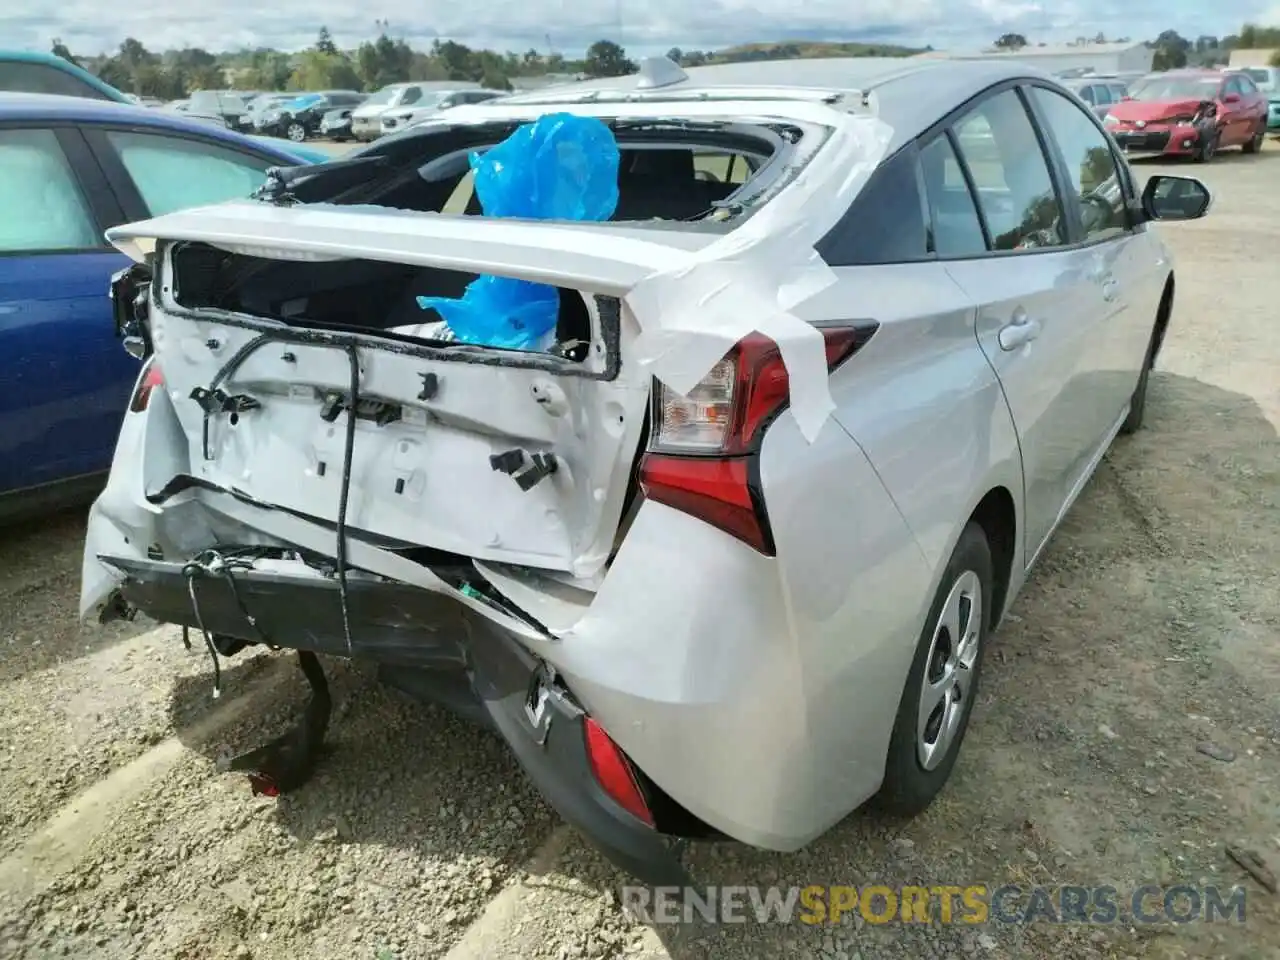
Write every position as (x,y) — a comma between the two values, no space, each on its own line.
(445,436)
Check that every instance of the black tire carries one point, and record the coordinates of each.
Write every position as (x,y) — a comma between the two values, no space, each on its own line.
(296,132)
(1254,145)
(909,787)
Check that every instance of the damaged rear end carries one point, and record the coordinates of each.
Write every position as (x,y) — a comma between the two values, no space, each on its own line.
(304,465)
(535,537)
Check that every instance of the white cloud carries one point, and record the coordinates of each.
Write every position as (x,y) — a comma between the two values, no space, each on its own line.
(90,26)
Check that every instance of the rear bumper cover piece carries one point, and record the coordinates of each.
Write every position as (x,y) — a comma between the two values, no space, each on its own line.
(404,627)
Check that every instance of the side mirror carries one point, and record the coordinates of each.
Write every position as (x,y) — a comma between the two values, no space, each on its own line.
(1168,197)
(1231,98)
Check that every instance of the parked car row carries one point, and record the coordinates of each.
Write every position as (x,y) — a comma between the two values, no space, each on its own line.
(401,105)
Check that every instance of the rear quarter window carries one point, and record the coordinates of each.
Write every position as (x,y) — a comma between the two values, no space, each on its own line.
(887,220)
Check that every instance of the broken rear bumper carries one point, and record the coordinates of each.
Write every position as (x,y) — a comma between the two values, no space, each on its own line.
(416,634)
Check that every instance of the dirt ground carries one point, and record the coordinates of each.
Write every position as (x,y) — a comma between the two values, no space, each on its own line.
(1148,635)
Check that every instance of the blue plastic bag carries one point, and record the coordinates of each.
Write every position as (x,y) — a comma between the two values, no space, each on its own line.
(560,167)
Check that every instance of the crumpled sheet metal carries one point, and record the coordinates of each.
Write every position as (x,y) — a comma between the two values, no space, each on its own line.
(754,278)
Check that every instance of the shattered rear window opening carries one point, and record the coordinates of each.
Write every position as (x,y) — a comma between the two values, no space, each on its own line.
(705,176)
(709,174)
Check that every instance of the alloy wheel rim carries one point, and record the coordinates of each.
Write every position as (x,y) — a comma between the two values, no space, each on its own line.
(946,689)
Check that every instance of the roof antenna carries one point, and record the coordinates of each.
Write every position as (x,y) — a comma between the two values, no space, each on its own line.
(658,72)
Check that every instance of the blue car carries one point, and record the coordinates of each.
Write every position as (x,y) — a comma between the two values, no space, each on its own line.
(70,168)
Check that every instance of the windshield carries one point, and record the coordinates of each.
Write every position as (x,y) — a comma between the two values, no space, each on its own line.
(1175,88)
(383,97)
(1258,76)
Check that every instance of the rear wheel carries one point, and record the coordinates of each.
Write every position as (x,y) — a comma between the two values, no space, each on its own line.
(942,685)
(1254,145)
(296,132)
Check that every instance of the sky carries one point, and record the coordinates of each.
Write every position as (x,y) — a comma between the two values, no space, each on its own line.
(642,26)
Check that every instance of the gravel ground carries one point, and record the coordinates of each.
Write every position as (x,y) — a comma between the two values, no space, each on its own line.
(1149,631)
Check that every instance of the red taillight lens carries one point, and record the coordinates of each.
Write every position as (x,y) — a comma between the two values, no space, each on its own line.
(701,455)
(715,490)
(613,772)
(150,380)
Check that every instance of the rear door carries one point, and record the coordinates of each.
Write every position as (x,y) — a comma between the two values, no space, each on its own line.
(66,379)
(1037,319)
(1235,119)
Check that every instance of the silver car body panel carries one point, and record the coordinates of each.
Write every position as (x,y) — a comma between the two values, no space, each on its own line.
(759,692)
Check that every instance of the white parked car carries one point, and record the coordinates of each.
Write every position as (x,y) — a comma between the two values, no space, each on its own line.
(722,559)
(399,118)
(366,120)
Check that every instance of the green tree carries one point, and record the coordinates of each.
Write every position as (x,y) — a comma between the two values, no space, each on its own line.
(459,61)
(316,70)
(153,80)
(112,71)
(266,70)
(1275,59)
(384,61)
(606,59)
(325,44)
(1170,51)
(60,50)
(675,55)
(1011,41)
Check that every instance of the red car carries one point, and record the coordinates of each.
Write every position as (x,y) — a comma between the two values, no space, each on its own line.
(1189,113)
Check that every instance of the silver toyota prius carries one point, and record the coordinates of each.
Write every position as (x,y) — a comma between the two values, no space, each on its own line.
(692,430)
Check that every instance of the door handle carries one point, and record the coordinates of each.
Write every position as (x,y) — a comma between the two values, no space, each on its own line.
(1021,330)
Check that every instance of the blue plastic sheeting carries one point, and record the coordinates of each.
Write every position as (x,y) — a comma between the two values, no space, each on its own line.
(560,167)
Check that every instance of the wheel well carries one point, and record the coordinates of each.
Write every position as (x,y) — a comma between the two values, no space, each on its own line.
(1162,317)
(995,514)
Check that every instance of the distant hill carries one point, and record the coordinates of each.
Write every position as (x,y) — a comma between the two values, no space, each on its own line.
(809,50)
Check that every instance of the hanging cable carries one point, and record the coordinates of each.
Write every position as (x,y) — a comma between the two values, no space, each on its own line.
(344,493)
(192,570)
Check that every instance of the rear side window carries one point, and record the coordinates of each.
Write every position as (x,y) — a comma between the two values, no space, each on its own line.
(1015,189)
(172,173)
(43,208)
(411,95)
(40,78)
(886,223)
(1086,94)
(955,228)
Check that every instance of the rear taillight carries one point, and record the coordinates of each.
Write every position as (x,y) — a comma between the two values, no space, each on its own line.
(702,451)
(151,379)
(613,772)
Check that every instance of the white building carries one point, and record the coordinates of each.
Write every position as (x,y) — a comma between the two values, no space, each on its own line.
(1081,57)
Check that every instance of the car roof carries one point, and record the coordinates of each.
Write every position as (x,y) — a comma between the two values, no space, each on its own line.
(66,66)
(45,107)
(910,94)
